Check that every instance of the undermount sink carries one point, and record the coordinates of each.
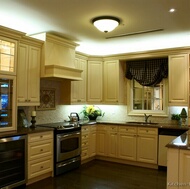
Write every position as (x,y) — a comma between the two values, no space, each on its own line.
(141,123)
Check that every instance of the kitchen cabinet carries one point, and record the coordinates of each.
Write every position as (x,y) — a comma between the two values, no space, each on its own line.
(184,169)
(28,72)
(8,54)
(92,141)
(178,79)
(114,82)
(127,143)
(95,81)
(133,142)
(84,143)
(112,140)
(101,140)
(78,88)
(147,139)
(40,156)
(88,144)
(178,166)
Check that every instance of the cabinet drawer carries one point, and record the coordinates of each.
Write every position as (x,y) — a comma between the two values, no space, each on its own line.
(126,129)
(113,128)
(84,144)
(40,136)
(39,167)
(101,128)
(84,154)
(147,130)
(85,136)
(40,149)
(85,129)
(92,128)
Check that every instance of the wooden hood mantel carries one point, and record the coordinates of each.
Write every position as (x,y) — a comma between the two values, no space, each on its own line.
(58,58)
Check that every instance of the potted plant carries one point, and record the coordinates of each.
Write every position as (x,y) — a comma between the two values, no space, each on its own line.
(183,116)
(176,118)
(92,112)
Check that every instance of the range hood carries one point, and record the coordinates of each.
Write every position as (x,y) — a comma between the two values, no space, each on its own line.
(58,58)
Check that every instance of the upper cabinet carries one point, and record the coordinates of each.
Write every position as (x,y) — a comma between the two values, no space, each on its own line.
(8,56)
(178,79)
(28,72)
(8,50)
(114,82)
(78,88)
(95,81)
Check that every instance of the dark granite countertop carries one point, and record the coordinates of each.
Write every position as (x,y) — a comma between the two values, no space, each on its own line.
(139,124)
(181,142)
(24,131)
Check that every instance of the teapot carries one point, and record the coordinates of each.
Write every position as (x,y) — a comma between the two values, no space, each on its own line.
(74,117)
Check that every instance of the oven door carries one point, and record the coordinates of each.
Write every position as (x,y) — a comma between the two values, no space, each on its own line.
(68,145)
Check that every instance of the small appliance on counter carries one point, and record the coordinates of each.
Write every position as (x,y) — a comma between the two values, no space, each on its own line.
(74,117)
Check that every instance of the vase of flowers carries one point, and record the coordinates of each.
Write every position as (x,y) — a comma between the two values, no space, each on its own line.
(92,112)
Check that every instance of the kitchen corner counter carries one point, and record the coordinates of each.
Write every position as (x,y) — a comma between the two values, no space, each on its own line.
(25,131)
(181,142)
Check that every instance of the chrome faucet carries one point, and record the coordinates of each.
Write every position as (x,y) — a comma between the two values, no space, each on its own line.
(146,118)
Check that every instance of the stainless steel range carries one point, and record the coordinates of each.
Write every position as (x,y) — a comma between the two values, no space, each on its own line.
(67,146)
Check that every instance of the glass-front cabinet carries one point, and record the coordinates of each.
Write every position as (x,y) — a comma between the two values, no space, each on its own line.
(8,56)
(7,103)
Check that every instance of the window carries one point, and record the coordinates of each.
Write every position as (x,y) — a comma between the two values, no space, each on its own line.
(147,99)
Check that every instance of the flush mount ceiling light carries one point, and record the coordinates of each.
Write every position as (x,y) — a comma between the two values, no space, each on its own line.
(106,23)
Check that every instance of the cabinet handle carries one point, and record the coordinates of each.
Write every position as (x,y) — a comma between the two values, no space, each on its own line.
(41,167)
(41,150)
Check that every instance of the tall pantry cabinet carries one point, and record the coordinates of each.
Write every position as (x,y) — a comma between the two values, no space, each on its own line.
(28,73)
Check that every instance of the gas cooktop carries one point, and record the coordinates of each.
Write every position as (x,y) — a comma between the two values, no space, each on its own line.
(61,125)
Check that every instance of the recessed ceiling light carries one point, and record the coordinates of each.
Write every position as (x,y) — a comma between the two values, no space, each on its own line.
(172,10)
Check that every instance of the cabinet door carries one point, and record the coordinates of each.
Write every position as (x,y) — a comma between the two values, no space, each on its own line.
(112,144)
(111,81)
(101,143)
(8,56)
(147,148)
(184,169)
(178,79)
(34,75)
(127,146)
(28,75)
(95,81)
(22,72)
(78,88)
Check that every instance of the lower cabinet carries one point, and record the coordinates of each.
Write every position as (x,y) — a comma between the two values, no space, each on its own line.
(178,169)
(127,143)
(88,144)
(40,156)
(131,143)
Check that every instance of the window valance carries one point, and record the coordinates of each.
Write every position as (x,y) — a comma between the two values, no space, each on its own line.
(147,72)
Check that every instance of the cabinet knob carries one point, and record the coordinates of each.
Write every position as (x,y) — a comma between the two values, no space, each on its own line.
(42,167)
(41,150)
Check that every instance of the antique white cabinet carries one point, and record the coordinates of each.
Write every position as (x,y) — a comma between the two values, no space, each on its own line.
(127,146)
(28,72)
(114,82)
(78,88)
(95,81)
(40,156)
(178,79)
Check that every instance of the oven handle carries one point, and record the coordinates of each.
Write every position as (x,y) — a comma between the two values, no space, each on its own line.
(64,164)
(68,135)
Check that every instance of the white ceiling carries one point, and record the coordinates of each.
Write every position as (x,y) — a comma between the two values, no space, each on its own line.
(72,19)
